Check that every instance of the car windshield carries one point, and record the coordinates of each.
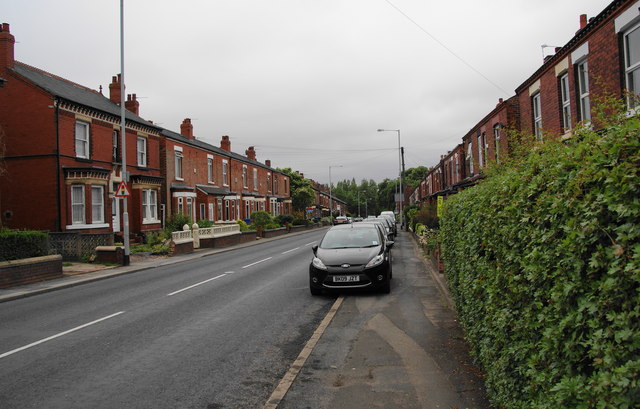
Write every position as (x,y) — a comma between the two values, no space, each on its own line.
(350,238)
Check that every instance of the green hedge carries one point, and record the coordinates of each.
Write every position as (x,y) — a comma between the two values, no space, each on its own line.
(543,261)
(15,245)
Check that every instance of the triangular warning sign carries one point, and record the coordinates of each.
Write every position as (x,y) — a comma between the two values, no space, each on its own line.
(123,190)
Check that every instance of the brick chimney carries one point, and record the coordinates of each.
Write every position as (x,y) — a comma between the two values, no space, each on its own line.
(251,153)
(114,89)
(186,129)
(7,41)
(583,22)
(268,162)
(225,143)
(132,104)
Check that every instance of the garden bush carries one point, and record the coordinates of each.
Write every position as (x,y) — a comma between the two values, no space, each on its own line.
(543,261)
(15,245)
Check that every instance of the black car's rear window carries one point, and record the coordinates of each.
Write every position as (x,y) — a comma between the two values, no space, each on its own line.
(350,238)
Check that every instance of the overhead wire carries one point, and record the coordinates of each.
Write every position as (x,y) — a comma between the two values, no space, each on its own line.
(450,51)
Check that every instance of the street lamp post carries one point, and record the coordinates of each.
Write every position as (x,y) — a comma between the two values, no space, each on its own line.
(399,172)
(330,194)
(358,202)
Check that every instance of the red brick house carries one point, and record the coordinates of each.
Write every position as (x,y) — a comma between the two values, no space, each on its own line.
(602,59)
(216,184)
(63,153)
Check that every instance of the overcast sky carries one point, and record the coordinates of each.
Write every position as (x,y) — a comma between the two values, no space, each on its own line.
(307,82)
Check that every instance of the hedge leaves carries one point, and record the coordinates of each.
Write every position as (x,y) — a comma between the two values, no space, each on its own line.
(543,260)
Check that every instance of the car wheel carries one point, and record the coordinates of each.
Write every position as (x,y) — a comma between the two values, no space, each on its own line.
(386,287)
(314,291)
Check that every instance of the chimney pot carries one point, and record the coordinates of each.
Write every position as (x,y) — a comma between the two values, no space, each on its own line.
(186,129)
(7,43)
(268,162)
(225,143)
(132,104)
(583,21)
(114,89)
(251,153)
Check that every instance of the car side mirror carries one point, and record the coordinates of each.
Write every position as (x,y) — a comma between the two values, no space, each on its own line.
(390,243)
(315,249)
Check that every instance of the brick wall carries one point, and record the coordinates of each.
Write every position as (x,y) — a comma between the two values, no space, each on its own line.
(30,270)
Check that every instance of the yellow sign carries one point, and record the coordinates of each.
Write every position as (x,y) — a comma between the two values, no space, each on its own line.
(440,203)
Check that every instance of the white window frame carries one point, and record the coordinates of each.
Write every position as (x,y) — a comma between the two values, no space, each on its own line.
(211,216)
(496,141)
(141,151)
(470,157)
(220,210)
(181,205)
(225,173)
(255,179)
(582,74)
(149,206)
(97,204)
(480,150)
(178,164)
(244,176)
(78,213)
(82,131)
(536,108)
(191,207)
(632,69)
(565,99)
(210,169)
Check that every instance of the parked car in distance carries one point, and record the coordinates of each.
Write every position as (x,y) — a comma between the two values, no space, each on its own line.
(341,220)
(355,256)
(392,221)
(383,225)
(358,219)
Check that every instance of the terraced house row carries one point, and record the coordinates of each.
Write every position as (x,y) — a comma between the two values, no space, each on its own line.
(601,60)
(63,161)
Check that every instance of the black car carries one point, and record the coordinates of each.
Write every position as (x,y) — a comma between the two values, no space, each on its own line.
(354,256)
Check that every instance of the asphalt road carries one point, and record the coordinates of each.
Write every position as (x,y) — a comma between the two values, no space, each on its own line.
(215,332)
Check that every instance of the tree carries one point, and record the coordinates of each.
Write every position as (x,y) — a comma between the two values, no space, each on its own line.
(302,194)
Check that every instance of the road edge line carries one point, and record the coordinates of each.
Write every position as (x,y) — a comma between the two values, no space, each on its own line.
(287,380)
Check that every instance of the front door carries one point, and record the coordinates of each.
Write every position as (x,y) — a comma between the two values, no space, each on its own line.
(115,214)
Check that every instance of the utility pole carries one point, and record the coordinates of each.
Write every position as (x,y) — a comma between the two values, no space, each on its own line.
(402,193)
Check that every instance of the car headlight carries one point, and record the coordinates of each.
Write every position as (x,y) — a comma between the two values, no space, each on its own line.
(376,261)
(317,263)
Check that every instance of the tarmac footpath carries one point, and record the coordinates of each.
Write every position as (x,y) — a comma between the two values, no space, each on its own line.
(401,350)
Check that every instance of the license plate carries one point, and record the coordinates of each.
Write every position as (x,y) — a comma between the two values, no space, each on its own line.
(345,279)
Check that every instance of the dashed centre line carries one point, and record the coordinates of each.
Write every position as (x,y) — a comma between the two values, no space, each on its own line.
(257,262)
(195,285)
(289,251)
(59,335)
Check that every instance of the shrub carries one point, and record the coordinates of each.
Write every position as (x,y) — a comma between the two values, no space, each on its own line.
(285,219)
(177,221)
(244,226)
(543,261)
(205,223)
(15,245)
(261,218)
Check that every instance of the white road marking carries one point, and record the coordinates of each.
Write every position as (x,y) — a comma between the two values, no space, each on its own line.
(257,262)
(308,244)
(289,251)
(297,365)
(59,335)
(195,285)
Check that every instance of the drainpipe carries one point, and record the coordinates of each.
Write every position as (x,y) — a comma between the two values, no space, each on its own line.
(58,170)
